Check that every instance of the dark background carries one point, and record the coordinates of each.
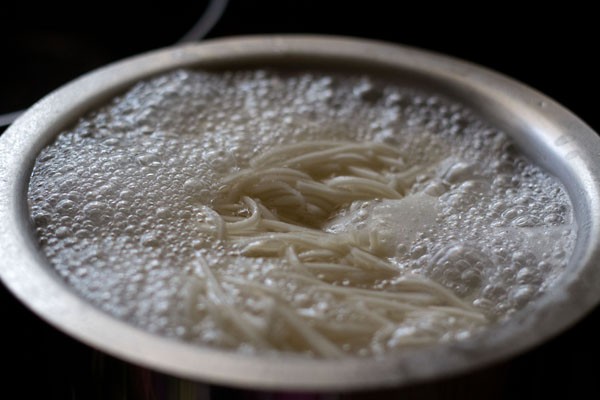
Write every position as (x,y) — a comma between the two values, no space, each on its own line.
(551,49)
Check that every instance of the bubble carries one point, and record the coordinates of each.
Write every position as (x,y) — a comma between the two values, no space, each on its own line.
(63,232)
(459,172)
(40,218)
(459,267)
(522,294)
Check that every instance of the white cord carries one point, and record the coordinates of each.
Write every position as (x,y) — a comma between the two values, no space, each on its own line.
(213,13)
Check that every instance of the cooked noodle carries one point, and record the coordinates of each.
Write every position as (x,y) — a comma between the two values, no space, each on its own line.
(276,209)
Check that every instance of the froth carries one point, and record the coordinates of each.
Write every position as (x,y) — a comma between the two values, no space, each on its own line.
(119,202)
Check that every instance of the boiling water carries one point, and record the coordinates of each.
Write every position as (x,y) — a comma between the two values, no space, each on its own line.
(122,201)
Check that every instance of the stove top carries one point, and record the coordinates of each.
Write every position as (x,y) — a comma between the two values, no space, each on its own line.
(46,46)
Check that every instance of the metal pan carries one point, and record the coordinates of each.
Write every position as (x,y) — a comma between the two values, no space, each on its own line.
(548,133)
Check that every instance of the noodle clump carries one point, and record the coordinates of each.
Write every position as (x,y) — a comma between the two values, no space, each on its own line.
(275,209)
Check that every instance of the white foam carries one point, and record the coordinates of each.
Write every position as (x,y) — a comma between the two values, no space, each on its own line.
(118,201)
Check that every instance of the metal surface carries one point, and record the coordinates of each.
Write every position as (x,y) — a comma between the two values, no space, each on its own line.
(551,135)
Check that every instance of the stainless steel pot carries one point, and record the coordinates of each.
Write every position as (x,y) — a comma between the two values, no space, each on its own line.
(548,133)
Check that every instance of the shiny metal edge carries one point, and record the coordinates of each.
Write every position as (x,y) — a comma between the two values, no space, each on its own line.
(550,134)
